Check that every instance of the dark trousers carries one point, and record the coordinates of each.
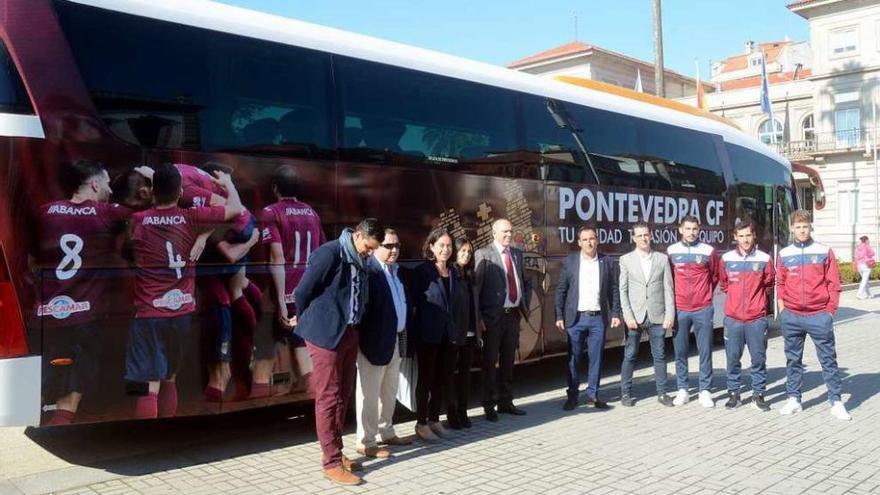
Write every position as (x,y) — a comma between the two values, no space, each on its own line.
(458,392)
(737,335)
(656,335)
(435,373)
(820,328)
(588,331)
(333,376)
(499,348)
(702,323)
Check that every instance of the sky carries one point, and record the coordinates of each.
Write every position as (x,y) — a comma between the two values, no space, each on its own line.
(499,32)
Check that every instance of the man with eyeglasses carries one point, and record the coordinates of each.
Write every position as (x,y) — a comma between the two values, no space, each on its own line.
(330,302)
(378,360)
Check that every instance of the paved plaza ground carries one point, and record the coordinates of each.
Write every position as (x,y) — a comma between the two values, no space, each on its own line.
(646,449)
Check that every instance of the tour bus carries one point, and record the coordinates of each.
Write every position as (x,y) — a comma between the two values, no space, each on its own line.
(373,128)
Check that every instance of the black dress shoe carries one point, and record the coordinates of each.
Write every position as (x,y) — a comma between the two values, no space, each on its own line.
(491,415)
(570,404)
(511,409)
(626,401)
(733,402)
(452,421)
(760,403)
(597,403)
(464,419)
(665,400)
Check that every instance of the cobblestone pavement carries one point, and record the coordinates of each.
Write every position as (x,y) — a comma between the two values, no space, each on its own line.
(646,449)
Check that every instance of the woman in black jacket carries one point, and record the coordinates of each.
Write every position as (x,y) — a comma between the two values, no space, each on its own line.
(464,339)
(434,284)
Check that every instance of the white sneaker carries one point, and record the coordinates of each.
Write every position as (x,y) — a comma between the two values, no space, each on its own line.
(791,406)
(839,411)
(681,397)
(437,428)
(706,399)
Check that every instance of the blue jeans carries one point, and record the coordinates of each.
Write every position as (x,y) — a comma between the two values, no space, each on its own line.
(701,321)
(587,331)
(820,328)
(737,335)
(657,336)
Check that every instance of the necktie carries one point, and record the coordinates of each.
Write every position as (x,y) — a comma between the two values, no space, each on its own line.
(511,276)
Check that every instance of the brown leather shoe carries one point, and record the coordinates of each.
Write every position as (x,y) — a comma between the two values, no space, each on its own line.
(396,441)
(351,465)
(376,452)
(341,476)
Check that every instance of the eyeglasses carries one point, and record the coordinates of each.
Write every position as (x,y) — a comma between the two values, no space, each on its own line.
(390,246)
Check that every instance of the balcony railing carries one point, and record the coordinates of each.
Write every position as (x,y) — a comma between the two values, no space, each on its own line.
(829,142)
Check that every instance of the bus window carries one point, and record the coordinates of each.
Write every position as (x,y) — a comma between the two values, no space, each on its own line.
(180,87)
(683,160)
(759,180)
(611,141)
(393,114)
(13,97)
(552,144)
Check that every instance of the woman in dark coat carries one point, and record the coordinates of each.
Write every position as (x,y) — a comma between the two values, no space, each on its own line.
(465,338)
(434,284)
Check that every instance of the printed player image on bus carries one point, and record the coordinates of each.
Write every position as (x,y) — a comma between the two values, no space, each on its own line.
(165,184)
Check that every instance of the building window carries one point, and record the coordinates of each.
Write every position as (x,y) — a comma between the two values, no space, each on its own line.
(766,131)
(846,127)
(844,41)
(848,202)
(755,60)
(808,129)
(805,196)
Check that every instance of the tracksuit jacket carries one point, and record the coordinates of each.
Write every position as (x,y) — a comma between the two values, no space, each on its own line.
(695,271)
(746,279)
(807,278)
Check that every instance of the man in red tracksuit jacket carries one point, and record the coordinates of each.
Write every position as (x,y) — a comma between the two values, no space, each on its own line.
(746,275)
(695,270)
(808,283)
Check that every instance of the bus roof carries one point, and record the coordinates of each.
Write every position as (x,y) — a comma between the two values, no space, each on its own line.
(244,22)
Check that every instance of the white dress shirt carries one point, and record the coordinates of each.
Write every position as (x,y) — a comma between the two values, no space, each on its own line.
(646,264)
(397,293)
(507,302)
(588,284)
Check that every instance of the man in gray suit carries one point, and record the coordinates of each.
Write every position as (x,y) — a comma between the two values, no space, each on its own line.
(647,301)
(503,294)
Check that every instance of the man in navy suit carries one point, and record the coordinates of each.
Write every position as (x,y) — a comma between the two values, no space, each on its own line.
(330,302)
(586,299)
(378,360)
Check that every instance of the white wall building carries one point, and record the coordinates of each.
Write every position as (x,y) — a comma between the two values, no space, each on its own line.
(823,97)
(599,64)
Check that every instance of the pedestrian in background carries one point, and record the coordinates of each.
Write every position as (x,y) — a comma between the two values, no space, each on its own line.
(864,263)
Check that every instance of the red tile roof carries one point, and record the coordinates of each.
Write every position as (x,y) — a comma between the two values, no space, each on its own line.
(771,49)
(755,81)
(560,51)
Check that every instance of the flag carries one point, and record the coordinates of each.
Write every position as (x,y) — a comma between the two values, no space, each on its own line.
(701,96)
(639,81)
(765,97)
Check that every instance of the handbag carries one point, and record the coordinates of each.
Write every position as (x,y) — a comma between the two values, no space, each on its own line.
(870,262)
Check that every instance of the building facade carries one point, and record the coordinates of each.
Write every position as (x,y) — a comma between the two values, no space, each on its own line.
(600,64)
(824,96)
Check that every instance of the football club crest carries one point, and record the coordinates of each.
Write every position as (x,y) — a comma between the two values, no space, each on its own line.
(699,259)
(814,259)
(755,266)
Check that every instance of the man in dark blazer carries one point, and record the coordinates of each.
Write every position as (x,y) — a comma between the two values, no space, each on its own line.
(503,294)
(587,300)
(330,302)
(378,360)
